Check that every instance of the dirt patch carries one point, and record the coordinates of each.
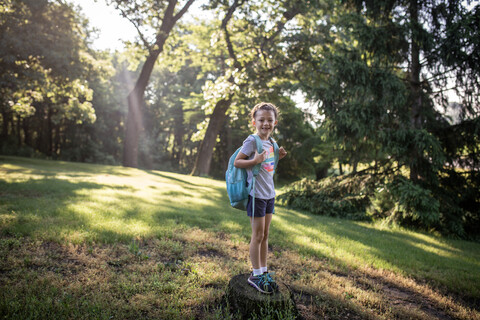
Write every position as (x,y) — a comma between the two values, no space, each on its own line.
(327,292)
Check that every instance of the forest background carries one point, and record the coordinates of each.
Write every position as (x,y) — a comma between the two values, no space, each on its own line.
(394,134)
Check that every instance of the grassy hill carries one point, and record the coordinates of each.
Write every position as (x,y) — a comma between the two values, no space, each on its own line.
(91,241)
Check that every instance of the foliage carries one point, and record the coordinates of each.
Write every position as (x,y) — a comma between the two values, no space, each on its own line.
(380,73)
(361,196)
(45,95)
(109,81)
(380,106)
(414,202)
(171,117)
(345,197)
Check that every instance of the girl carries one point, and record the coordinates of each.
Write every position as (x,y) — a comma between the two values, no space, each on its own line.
(264,119)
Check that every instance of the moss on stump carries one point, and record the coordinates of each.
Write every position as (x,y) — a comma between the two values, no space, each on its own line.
(252,304)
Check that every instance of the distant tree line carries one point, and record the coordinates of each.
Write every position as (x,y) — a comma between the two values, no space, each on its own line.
(387,142)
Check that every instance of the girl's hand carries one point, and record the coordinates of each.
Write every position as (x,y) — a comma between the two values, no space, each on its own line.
(260,157)
(281,153)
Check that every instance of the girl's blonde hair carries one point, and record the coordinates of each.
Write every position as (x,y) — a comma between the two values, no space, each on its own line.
(264,106)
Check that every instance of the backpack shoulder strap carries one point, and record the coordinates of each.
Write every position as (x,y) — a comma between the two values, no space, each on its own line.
(258,142)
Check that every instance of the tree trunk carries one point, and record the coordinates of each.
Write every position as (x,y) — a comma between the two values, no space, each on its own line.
(19,132)
(321,170)
(204,155)
(415,88)
(135,113)
(49,133)
(179,132)
(249,303)
(56,146)
(26,132)
(134,124)
(5,121)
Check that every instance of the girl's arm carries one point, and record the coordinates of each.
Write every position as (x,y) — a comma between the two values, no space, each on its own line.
(241,161)
(282,153)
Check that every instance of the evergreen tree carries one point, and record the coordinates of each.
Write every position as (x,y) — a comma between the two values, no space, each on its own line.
(382,75)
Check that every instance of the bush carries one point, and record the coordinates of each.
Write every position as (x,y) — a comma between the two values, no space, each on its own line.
(450,208)
(346,197)
(414,203)
(10,148)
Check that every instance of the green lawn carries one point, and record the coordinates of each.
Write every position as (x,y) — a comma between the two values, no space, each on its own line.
(136,230)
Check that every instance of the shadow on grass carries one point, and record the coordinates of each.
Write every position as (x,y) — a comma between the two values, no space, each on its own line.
(156,173)
(55,208)
(208,207)
(454,265)
(77,210)
(52,169)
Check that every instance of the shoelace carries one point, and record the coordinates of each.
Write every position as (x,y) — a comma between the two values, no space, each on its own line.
(269,277)
(262,280)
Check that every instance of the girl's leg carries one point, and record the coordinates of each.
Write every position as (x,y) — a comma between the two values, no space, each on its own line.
(258,230)
(264,244)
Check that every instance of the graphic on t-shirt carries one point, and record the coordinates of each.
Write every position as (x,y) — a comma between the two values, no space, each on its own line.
(269,163)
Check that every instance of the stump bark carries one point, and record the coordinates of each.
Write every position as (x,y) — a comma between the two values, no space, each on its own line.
(250,303)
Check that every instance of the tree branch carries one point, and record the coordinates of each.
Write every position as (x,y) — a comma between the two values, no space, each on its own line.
(443,90)
(226,19)
(168,22)
(287,15)
(140,34)
(183,10)
(444,74)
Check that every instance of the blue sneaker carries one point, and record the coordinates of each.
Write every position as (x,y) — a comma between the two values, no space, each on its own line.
(271,280)
(260,283)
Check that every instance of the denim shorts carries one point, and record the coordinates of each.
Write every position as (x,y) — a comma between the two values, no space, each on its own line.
(262,207)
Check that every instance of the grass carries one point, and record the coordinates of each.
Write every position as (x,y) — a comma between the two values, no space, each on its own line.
(92,241)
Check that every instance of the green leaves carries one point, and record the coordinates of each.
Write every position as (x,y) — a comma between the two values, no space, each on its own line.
(414,202)
(380,78)
(336,197)
(44,71)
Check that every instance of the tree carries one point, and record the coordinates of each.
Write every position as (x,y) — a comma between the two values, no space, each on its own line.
(172,114)
(103,138)
(254,54)
(43,84)
(161,17)
(382,77)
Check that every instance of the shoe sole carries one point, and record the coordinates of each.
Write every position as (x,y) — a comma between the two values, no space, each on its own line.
(257,287)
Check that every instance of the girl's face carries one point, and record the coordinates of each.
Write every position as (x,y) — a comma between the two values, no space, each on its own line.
(264,122)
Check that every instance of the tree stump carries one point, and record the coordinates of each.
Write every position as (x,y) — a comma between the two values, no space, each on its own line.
(252,304)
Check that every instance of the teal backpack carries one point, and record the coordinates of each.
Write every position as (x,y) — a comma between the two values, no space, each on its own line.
(236,178)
